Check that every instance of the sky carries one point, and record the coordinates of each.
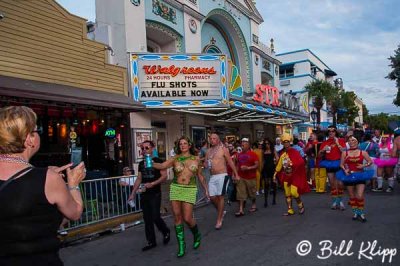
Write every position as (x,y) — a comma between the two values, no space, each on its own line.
(354,38)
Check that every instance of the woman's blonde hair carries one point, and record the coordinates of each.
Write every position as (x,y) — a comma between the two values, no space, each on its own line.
(16,122)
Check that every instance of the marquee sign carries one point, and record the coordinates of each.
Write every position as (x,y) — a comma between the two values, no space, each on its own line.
(179,80)
(269,95)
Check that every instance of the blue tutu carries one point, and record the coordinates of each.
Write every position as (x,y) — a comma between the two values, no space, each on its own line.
(328,164)
(355,176)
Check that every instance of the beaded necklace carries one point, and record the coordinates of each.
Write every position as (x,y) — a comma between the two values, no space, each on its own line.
(13,159)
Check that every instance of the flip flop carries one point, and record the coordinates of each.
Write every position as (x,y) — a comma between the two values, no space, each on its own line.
(238,214)
(253,210)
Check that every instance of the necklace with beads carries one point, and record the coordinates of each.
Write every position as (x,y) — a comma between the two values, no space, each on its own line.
(13,159)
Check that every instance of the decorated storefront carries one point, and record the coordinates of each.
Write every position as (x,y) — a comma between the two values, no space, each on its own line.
(204,91)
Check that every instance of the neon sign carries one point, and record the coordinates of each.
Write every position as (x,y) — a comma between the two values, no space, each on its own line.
(110,133)
(269,95)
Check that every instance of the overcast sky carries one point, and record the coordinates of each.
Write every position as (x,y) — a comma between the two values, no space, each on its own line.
(353,37)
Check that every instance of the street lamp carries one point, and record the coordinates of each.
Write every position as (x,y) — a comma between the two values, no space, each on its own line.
(314,115)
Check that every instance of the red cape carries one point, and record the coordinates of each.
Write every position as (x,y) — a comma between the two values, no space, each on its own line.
(298,177)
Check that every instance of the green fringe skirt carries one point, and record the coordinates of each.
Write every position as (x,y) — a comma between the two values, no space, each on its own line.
(184,193)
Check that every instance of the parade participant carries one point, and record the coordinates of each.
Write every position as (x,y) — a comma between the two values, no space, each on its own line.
(293,175)
(377,136)
(372,148)
(259,152)
(278,145)
(297,147)
(310,151)
(217,157)
(385,164)
(396,152)
(247,169)
(183,190)
(270,158)
(332,149)
(33,201)
(231,190)
(319,172)
(354,176)
(148,183)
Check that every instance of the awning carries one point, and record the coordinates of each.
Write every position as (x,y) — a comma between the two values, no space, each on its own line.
(324,125)
(16,87)
(240,110)
(330,73)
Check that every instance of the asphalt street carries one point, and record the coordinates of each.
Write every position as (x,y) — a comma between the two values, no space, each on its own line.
(323,237)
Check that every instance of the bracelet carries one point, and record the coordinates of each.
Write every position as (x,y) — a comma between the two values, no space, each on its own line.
(74,188)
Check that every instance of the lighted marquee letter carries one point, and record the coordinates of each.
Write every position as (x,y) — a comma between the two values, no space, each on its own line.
(258,96)
(275,96)
(266,94)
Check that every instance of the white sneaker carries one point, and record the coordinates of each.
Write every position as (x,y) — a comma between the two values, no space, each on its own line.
(262,191)
(257,193)
(389,189)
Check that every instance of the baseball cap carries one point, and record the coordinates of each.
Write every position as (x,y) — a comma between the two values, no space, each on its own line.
(245,139)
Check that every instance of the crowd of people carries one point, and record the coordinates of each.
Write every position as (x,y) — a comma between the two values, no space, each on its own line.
(242,170)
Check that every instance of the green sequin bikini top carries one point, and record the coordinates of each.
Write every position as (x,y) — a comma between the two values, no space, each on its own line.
(180,164)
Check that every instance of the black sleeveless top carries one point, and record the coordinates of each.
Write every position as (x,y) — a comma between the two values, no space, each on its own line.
(28,222)
(150,175)
(269,165)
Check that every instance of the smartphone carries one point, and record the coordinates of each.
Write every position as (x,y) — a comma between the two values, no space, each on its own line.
(76,156)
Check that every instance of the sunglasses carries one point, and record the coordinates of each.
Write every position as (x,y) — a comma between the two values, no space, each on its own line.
(145,148)
(39,131)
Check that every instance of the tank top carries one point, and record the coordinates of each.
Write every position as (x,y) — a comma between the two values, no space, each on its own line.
(269,161)
(353,161)
(150,175)
(28,222)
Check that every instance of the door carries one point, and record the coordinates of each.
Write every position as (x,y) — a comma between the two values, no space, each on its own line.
(160,140)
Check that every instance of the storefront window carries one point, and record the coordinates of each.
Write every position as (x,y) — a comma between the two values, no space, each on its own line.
(87,131)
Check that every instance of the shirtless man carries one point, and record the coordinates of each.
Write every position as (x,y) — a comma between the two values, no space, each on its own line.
(396,152)
(216,159)
(396,146)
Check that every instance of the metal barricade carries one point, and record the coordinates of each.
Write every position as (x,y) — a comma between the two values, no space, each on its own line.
(107,198)
(104,199)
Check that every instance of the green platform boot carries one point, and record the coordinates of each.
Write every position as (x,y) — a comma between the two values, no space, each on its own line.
(180,236)
(196,236)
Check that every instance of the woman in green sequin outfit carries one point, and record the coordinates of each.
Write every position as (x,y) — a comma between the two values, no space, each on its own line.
(183,191)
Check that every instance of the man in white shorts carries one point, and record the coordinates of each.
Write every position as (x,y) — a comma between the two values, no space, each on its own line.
(216,159)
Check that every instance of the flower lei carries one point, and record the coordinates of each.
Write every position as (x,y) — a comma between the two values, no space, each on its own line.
(183,158)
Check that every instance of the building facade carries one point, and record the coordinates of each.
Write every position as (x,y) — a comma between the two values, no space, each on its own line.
(249,103)
(48,63)
(359,120)
(299,68)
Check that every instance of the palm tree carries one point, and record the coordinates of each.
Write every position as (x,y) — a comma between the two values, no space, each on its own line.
(322,91)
